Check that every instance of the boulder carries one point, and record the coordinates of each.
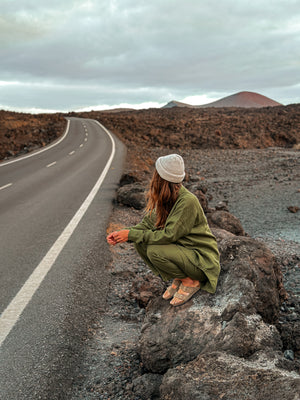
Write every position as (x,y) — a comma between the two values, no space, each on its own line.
(224,220)
(147,386)
(127,179)
(219,375)
(144,288)
(237,319)
(202,199)
(132,195)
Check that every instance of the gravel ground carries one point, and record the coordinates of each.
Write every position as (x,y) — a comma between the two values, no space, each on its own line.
(258,186)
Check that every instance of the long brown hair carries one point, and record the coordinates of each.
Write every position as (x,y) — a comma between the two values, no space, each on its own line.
(161,196)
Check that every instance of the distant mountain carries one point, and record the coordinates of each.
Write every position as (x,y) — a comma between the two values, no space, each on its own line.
(244,99)
(174,103)
(241,99)
(115,110)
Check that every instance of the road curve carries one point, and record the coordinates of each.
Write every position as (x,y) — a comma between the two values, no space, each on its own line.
(39,196)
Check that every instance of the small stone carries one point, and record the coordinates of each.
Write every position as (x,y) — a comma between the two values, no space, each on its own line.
(293,209)
(224,324)
(289,355)
(222,206)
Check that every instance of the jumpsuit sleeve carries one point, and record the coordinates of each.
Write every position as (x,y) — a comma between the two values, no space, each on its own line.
(179,223)
(148,222)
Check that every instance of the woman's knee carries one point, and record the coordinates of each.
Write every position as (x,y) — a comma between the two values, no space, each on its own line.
(140,248)
(153,253)
(159,255)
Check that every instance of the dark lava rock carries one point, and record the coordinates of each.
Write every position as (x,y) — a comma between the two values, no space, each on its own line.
(222,206)
(202,199)
(236,319)
(289,355)
(127,179)
(145,288)
(132,195)
(219,375)
(224,220)
(293,209)
(147,386)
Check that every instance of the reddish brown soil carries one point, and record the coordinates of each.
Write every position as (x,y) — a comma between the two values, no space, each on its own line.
(211,128)
(175,128)
(20,133)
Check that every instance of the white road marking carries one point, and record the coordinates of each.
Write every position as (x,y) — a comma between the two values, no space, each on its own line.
(39,151)
(81,145)
(11,314)
(85,139)
(5,186)
(50,165)
(86,134)
(72,152)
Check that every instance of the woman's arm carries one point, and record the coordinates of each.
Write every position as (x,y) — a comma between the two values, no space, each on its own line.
(179,223)
(122,236)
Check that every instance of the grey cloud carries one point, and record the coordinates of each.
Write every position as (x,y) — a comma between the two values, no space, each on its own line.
(67,98)
(171,47)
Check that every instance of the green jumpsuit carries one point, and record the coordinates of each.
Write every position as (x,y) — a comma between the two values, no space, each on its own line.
(185,247)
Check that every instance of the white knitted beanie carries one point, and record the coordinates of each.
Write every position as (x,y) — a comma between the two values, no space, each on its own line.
(171,168)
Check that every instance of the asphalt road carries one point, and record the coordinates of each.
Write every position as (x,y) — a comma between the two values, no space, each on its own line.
(39,195)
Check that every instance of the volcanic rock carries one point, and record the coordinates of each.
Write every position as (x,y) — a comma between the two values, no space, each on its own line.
(237,319)
(147,386)
(132,195)
(293,209)
(146,288)
(219,375)
(127,179)
(224,220)
(222,206)
(21,133)
(202,128)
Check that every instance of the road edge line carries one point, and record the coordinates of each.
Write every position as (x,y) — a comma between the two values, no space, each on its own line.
(11,314)
(2,164)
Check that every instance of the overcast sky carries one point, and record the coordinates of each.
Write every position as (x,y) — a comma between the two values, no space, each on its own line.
(95,54)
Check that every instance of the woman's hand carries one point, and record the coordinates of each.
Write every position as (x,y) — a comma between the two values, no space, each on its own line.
(118,237)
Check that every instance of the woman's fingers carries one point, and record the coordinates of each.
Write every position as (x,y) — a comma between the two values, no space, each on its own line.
(111,238)
(118,237)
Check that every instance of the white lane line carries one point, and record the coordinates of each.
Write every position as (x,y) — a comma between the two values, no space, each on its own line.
(86,134)
(71,153)
(5,186)
(11,314)
(85,139)
(81,145)
(50,165)
(39,151)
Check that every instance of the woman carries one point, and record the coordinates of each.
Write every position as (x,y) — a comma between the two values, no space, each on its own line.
(174,238)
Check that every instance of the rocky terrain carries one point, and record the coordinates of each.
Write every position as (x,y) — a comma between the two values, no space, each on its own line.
(243,342)
(212,128)
(249,330)
(21,133)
